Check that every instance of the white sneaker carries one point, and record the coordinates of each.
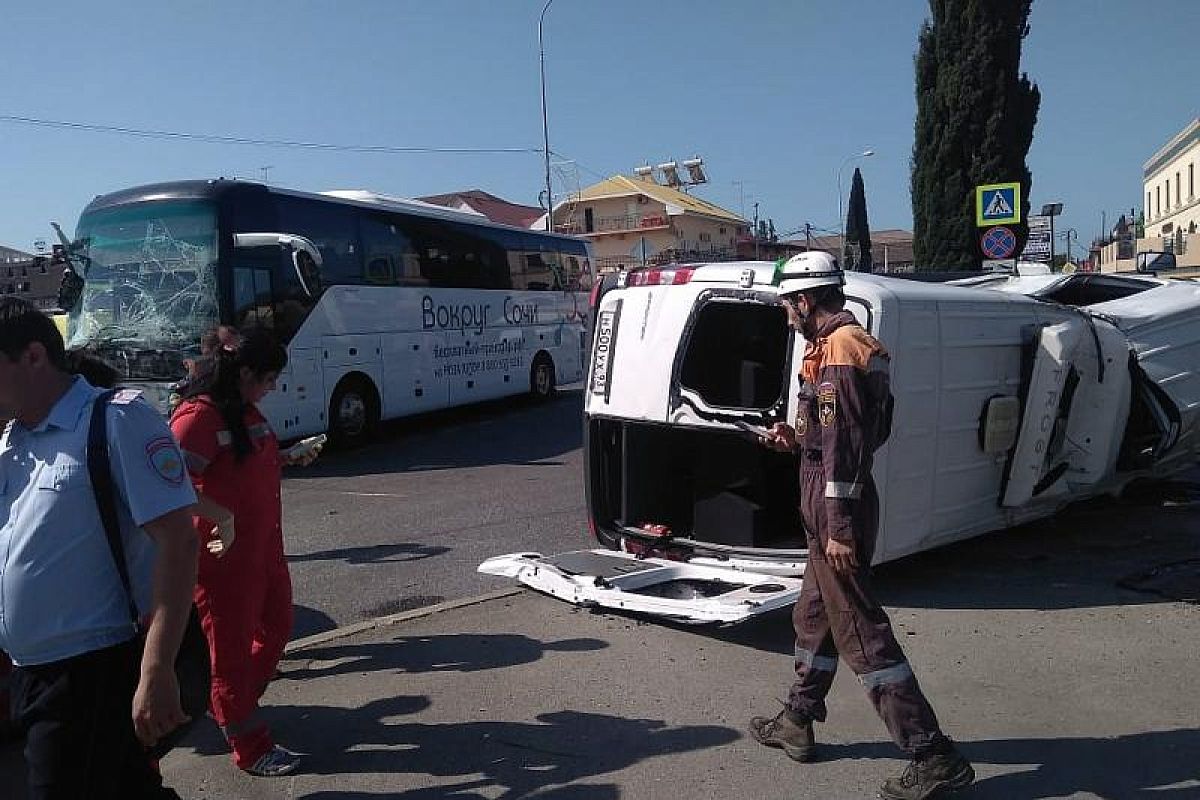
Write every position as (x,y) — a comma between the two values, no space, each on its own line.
(275,762)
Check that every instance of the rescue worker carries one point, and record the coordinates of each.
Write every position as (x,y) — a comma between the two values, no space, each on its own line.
(844,414)
(243,591)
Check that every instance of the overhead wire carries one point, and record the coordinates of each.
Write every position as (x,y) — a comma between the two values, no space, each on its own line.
(212,138)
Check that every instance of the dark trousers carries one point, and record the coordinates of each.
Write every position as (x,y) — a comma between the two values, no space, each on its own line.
(838,615)
(79,737)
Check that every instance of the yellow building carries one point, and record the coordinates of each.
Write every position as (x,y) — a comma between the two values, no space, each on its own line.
(1172,204)
(635,220)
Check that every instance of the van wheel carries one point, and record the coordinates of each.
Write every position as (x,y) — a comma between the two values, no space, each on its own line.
(541,377)
(353,412)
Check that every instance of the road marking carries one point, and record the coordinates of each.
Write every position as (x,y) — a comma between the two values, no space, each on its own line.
(373,494)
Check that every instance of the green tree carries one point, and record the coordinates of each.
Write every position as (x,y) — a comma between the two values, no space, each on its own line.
(975,117)
(858,230)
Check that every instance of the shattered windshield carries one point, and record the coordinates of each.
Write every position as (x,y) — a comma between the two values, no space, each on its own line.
(150,279)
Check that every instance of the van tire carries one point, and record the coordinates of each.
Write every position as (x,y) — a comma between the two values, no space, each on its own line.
(353,411)
(541,377)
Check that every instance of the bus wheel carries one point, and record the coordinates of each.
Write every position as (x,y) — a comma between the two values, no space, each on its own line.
(541,377)
(353,412)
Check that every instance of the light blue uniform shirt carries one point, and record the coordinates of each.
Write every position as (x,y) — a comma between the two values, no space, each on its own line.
(60,594)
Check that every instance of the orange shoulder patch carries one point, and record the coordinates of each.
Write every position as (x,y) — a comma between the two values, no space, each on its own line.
(851,346)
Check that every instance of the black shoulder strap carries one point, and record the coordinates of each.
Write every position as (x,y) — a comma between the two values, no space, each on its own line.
(100,471)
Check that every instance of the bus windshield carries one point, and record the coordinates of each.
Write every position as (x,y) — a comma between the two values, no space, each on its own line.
(150,278)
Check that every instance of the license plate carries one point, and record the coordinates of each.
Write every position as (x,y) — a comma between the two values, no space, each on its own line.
(603,354)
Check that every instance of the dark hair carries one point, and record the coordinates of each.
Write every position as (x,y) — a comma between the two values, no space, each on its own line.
(261,353)
(830,298)
(95,370)
(22,324)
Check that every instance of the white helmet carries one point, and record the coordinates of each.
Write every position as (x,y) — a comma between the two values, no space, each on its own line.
(808,271)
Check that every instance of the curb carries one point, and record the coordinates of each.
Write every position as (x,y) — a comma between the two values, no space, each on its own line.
(395,619)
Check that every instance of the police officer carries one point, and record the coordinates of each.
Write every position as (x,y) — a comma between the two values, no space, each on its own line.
(87,693)
(844,414)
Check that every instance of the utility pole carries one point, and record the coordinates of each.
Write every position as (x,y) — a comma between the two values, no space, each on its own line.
(545,128)
(756,231)
(808,236)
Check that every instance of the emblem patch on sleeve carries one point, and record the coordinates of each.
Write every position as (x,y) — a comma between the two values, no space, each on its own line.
(827,404)
(165,460)
(801,423)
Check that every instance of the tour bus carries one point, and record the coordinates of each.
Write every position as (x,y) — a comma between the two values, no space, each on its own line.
(388,307)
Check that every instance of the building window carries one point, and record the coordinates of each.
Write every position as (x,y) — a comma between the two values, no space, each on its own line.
(1158,201)
(1177,201)
(1147,204)
(1191,181)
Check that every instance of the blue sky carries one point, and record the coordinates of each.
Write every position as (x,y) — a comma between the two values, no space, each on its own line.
(774,95)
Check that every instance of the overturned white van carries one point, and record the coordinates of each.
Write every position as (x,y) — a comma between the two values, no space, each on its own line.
(1013,398)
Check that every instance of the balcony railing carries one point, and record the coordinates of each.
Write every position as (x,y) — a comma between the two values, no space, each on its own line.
(673,256)
(621,224)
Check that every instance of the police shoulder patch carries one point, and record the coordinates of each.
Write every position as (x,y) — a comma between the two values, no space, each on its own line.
(827,404)
(165,460)
(125,396)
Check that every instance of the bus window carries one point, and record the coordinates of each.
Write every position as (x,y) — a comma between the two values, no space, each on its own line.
(332,229)
(252,302)
(387,253)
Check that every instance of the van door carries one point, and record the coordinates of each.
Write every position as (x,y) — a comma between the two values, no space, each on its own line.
(1046,406)
(675,590)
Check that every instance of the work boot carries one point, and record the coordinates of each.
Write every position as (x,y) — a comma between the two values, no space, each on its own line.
(927,775)
(788,732)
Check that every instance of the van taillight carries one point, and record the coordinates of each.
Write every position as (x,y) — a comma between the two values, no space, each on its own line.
(661,276)
(595,296)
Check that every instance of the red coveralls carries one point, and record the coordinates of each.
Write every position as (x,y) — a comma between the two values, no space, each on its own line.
(244,599)
(844,415)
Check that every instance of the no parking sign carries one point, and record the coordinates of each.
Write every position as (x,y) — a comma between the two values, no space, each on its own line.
(998,242)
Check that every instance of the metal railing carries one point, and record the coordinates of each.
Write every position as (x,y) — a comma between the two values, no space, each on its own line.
(627,222)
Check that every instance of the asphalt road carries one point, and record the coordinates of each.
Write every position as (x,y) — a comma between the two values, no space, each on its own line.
(404,521)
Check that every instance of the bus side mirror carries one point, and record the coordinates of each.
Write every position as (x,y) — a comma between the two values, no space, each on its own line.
(306,258)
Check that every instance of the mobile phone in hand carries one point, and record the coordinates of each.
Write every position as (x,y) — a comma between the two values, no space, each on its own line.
(306,447)
(752,430)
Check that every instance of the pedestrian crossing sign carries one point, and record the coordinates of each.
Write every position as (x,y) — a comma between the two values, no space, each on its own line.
(997,204)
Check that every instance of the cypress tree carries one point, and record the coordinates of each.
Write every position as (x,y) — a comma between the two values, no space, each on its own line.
(858,231)
(975,117)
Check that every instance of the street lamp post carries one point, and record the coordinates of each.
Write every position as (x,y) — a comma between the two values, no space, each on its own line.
(545,128)
(841,218)
(1051,210)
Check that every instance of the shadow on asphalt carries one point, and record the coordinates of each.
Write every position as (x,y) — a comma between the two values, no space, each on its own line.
(513,431)
(306,621)
(499,759)
(439,653)
(1141,766)
(577,792)
(396,553)
(1080,558)
(493,759)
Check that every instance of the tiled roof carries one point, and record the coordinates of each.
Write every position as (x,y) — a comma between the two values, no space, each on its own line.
(494,208)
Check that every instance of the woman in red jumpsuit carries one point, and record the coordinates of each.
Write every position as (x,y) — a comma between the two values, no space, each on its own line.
(243,593)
